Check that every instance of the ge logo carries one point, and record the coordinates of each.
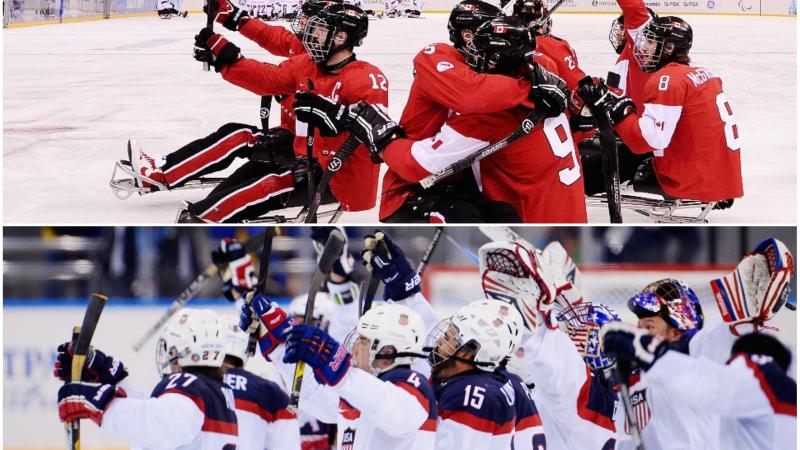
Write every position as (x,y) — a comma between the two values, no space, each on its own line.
(335,164)
(527,126)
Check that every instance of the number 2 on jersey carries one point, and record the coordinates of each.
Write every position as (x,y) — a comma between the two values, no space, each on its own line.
(173,380)
(557,132)
(375,82)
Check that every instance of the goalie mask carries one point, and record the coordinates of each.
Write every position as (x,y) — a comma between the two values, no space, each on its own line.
(759,286)
(673,301)
(663,40)
(486,331)
(582,324)
(501,46)
(193,337)
(323,310)
(511,273)
(322,33)
(390,333)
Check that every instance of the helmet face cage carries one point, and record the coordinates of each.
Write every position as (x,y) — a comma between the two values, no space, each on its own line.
(648,48)
(617,35)
(443,342)
(582,323)
(318,38)
(166,355)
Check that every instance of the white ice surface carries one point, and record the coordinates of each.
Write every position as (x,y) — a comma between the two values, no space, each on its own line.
(74,93)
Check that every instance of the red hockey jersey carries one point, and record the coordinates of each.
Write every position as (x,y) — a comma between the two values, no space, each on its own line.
(688,124)
(632,79)
(355,185)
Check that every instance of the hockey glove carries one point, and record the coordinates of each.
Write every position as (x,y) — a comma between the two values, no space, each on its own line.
(594,92)
(344,264)
(548,92)
(329,359)
(97,368)
(275,321)
(323,113)
(373,127)
(235,268)
(86,400)
(223,53)
(634,345)
(228,14)
(399,279)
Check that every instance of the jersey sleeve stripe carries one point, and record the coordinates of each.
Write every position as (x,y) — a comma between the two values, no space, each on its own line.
(529,422)
(477,423)
(253,407)
(429,425)
(218,426)
(416,393)
(779,406)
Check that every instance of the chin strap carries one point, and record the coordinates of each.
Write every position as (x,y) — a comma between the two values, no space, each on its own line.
(332,68)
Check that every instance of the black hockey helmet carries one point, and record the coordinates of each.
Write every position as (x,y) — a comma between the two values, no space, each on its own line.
(502,45)
(663,40)
(308,9)
(617,35)
(532,12)
(469,15)
(319,34)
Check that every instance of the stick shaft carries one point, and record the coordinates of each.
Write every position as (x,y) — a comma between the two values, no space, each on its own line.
(426,258)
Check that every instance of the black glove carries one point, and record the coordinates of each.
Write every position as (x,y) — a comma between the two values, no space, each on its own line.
(97,368)
(724,204)
(215,49)
(596,94)
(227,14)
(631,344)
(579,122)
(344,263)
(374,128)
(324,113)
(548,92)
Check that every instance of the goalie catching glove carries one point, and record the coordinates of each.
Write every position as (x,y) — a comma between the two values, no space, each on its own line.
(215,49)
(758,288)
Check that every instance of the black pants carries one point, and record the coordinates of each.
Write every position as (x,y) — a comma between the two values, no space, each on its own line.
(453,202)
(592,165)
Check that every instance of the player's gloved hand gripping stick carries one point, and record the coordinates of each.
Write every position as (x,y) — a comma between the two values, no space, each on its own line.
(331,252)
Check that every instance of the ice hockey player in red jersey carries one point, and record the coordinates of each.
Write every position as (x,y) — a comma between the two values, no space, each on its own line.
(261,405)
(752,395)
(189,408)
(687,121)
(329,68)
(530,185)
(635,16)
(352,383)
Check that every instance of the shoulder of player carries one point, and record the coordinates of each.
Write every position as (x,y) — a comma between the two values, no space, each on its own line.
(407,378)
(482,396)
(779,388)
(256,394)
(437,52)
(597,403)
(206,392)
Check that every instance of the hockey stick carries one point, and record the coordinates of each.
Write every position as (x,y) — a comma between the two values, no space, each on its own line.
(187,294)
(469,253)
(210,26)
(608,156)
(261,284)
(336,163)
(525,127)
(374,279)
(309,155)
(426,258)
(633,423)
(84,337)
(333,247)
(264,111)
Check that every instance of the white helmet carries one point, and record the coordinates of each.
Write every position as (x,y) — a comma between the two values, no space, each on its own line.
(488,329)
(512,273)
(323,309)
(396,328)
(518,365)
(237,342)
(193,337)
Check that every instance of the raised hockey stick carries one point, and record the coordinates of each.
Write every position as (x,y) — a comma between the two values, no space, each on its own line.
(374,279)
(261,284)
(84,337)
(309,160)
(187,294)
(210,25)
(426,258)
(333,247)
(608,157)
(623,370)
(525,127)
(336,163)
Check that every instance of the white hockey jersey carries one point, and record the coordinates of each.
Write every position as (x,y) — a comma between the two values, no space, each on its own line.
(577,410)
(754,398)
(185,411)
(264,422)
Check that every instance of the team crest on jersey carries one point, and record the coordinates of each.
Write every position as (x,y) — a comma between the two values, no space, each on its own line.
(640,409)
(348,438)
